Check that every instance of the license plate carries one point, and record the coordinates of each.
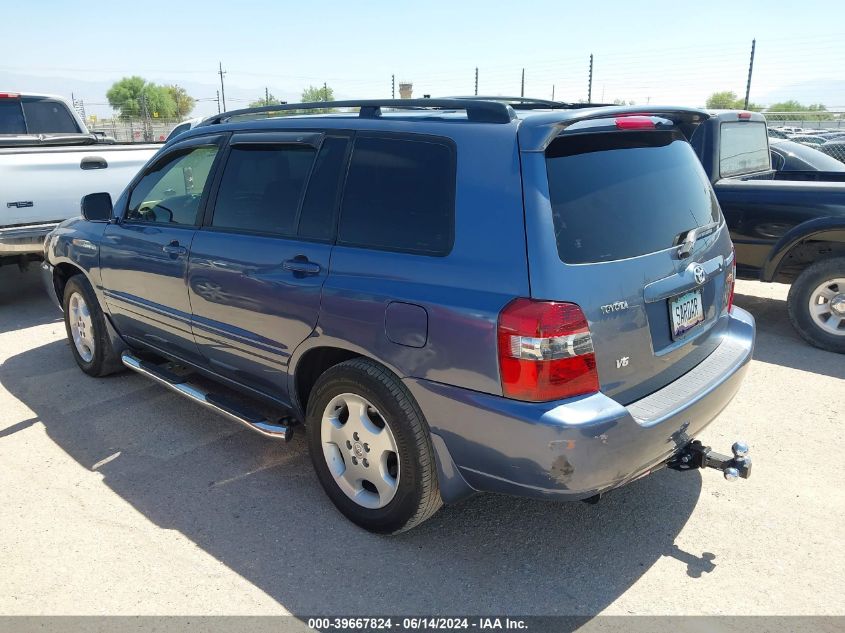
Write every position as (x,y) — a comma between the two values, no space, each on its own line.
(686,312)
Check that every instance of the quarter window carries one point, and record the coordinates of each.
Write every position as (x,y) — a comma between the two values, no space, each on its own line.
(172,191)
(261,188)
(400,195)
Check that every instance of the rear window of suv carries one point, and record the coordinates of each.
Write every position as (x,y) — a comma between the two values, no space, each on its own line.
(624,194)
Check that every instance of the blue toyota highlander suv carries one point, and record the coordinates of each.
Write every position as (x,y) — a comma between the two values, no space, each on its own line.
(452,295)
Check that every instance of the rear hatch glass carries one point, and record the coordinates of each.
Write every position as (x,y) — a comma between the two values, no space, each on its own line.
(639,243)
(621,195)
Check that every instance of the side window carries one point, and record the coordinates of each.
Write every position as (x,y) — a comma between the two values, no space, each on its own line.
(317,218)
(400,195)
(262,187)
(171,192)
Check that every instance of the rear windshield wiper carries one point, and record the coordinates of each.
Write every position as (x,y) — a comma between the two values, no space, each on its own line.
(687,239)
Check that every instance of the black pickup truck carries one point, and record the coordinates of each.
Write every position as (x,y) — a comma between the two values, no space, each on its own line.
(787,226)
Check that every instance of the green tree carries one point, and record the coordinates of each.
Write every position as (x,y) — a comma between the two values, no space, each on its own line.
(791,105)
(266,100)
(621,102)
(728,100)
(129,95)
(317,93)
(182,100)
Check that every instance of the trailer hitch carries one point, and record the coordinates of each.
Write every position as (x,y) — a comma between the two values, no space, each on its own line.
(696,455)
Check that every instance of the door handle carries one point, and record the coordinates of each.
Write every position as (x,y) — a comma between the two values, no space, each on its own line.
(300,264)
(174,248)
(93,162)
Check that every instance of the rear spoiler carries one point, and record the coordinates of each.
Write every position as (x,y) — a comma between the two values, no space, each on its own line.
(536,132)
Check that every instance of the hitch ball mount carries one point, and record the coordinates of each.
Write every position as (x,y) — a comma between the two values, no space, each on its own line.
(696,455)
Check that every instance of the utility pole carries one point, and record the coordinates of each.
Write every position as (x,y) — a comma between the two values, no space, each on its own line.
(222,87)
(750,69)
(590,82)
(522,89)
(553,92)
(392,86)
(476,81)
(325,92)
(266,96)
(147,121)
(218,102)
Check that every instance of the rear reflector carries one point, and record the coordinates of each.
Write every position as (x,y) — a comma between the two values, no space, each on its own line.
(10,95)
(545,351)
(744,115)
(634,123)
(730,283)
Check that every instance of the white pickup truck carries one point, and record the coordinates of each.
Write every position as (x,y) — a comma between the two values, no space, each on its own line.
(48,161)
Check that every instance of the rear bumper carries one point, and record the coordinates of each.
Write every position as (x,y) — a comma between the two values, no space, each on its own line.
(576,448)
(24,240)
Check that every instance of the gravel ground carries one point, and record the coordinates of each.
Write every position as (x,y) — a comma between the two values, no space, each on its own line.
(118,497)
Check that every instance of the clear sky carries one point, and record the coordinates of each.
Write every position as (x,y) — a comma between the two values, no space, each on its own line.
(667,52)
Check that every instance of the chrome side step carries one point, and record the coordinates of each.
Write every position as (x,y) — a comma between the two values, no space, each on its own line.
(216,402)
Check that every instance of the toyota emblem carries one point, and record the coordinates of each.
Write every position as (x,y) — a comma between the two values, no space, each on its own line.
(699,274)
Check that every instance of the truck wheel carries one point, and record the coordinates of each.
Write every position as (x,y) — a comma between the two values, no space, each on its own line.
(370,446)
(86,329)
(817,304)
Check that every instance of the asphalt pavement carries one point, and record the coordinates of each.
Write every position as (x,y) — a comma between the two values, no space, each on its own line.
(119,497)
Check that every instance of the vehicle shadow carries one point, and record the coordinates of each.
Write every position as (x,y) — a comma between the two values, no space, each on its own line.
(256,506)
(778,343)
(23,299)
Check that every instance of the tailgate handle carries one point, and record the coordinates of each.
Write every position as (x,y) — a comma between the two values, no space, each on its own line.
(93,162)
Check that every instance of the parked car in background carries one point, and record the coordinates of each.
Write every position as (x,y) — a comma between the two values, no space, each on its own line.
(777,133)
(451,298)
(791,156)
(184,126)
(787,226)
(834,148)
(807,139)
(48,161)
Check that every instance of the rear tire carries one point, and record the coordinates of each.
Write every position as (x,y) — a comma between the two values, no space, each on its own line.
(816,304)
(371,449)
(85,325)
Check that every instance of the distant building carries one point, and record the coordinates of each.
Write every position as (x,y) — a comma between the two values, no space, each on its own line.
(406,90)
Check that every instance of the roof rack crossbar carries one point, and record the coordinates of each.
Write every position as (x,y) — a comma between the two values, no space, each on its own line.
(480,111)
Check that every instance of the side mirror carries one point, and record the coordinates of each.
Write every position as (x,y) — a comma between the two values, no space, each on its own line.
(97,207)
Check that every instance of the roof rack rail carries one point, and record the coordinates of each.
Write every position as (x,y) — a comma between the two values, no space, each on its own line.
(478,110)
(530,103)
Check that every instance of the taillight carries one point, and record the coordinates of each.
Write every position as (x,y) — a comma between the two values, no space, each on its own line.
(744,116)
(634,123)
(545,351)
(9,95)
(730,282)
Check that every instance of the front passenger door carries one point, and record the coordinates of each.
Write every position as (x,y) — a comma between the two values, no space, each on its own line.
(144,255)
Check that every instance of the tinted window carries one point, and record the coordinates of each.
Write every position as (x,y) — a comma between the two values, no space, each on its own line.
(261,188)
(621,195)
(400,196)
(44,116)
(11,117)
(171,192)
(743,148)
(317,220)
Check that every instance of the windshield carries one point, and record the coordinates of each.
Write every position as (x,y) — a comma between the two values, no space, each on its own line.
(624,194)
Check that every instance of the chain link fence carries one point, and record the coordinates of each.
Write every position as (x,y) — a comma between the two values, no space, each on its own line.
(823,131)
(152,130)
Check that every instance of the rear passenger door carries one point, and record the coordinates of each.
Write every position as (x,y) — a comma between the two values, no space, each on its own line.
(259,262)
